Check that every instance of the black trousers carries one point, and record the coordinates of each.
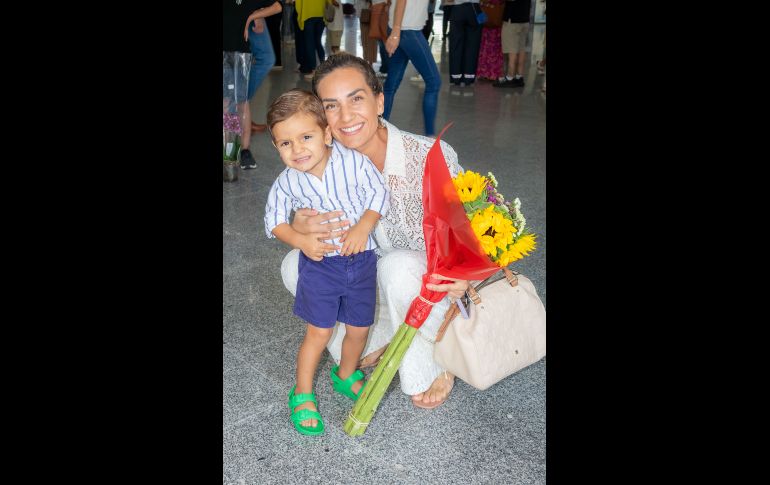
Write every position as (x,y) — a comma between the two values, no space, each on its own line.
(274,26)
(428,29)
(299,44)
(464,42)
(445,22)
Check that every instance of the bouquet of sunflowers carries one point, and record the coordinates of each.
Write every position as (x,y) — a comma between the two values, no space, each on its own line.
(499,225)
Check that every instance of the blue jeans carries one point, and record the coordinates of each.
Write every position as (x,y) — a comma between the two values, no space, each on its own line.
(383,56)
(264,58)
(413,47)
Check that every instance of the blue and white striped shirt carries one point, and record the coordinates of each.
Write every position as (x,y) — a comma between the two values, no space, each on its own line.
(350,183)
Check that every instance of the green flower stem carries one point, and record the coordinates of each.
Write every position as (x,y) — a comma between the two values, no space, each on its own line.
(378,383)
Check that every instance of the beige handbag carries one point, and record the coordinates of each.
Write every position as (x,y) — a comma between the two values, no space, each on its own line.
(504,333)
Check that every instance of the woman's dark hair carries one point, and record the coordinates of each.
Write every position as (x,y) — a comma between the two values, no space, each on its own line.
(344,59)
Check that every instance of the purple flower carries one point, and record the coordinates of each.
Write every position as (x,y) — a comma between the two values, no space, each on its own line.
(231,122)
(492,199)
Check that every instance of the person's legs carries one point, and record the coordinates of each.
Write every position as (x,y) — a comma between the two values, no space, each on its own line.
(521,59)
(263,59)
(352,348)
(274,26)
(308,41)
(317,34)
(417,50)
(384,57)
(380,333)
(471,48)
(428,28)
(308,356)
(396,68)
(456,43)
(445,21)
(244,112)
(299,43)
(512,61)
(399,277)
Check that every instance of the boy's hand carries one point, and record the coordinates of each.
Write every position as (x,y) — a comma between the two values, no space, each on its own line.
(315,248)
(354,241)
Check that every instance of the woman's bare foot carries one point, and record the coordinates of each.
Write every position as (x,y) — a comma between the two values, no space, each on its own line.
(372,359)
(437,393)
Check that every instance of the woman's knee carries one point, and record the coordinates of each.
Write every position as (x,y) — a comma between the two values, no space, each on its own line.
(290,271)
(400,267)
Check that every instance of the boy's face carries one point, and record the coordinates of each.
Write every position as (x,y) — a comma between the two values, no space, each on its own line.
(302,144)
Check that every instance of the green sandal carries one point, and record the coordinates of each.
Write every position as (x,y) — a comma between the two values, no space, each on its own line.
(304,414)
(344,387)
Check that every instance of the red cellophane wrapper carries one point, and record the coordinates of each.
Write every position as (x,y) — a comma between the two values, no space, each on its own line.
(453,250)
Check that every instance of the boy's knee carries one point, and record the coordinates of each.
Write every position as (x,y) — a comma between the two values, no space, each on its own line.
(356,333)
(319,335)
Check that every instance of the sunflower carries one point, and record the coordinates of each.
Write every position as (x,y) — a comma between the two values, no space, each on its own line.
(469,185)
(518,250)
(493,229)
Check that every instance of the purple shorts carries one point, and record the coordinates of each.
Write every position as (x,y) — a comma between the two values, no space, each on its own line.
(337,289)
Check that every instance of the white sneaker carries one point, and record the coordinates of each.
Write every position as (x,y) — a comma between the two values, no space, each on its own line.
(382,75)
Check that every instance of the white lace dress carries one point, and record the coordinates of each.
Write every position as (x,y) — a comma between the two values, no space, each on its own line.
(402,262)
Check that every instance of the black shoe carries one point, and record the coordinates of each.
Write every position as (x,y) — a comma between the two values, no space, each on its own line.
(456,82)
(469,82)
(505,83)
(247,161)
(518,82)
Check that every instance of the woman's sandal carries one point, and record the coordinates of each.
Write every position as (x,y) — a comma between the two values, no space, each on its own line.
(344,386)
(304,414)
(435,404)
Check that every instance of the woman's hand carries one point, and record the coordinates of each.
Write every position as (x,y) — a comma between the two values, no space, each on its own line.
(315,248)
(309,221)
(392,43)
(258,27)
(455,289)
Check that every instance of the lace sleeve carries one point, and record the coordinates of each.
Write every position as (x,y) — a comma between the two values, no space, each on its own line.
(401,228)
(451,159)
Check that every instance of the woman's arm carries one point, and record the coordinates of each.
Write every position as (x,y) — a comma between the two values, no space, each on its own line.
(258,14)
(394,38)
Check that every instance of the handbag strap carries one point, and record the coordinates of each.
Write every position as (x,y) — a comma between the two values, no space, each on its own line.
(453,310)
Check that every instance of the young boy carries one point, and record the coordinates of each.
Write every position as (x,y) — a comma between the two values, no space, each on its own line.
(339,286)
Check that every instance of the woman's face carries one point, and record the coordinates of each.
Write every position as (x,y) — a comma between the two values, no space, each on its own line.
(351,107)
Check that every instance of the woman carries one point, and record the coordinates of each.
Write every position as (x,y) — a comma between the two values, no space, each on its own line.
(405,43)
(310,20)
(354,102)
(368,44)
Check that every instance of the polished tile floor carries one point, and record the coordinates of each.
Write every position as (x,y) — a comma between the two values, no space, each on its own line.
(494,436)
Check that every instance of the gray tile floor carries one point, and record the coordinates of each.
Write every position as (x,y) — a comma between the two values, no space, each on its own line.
(495,436)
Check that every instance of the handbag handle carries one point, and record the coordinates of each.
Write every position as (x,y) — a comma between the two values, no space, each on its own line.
(473,294)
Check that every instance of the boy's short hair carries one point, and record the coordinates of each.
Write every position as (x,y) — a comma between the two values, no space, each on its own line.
(292,102)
